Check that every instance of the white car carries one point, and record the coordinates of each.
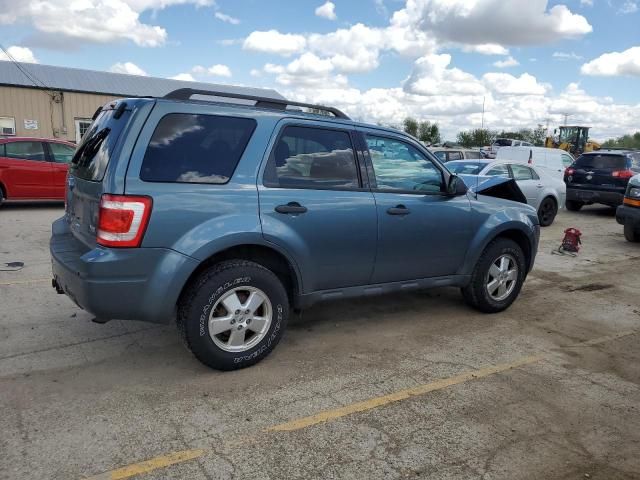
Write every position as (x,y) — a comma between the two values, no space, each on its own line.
(543,190)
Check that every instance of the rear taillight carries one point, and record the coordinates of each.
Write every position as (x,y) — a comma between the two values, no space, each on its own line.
(123,220)
(569,171)
(623,173)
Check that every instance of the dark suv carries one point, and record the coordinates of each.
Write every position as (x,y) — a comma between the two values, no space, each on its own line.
(600,177)
(225,216)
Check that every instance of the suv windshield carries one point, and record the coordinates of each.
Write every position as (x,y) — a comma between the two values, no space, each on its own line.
(604,161)
(503,142)
(93,153)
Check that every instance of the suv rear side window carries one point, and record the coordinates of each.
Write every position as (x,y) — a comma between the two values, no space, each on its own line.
(190,148)
(307,157)
(94,151)
(603,161)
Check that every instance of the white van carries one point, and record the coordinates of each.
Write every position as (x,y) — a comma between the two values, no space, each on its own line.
(552,159)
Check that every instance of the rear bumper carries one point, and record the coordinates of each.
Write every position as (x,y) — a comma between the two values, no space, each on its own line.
(125,284)
(595,196)
(628,215)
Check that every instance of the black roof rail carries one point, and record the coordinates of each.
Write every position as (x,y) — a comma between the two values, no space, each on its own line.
(262,102)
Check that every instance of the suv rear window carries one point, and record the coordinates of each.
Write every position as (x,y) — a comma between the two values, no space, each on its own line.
(94,151)
(191,148)
(609,162)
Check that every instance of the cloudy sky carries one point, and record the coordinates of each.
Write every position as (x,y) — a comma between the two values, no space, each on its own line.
(531,61)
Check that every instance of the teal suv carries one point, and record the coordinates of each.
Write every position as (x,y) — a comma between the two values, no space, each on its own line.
(224,218)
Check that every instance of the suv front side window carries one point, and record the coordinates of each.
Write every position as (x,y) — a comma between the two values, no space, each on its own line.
(312,157)
(398,166)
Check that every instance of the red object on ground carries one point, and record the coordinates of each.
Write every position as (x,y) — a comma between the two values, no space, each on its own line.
(571,241)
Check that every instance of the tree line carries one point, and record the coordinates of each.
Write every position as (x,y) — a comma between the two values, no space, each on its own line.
(429,133)
(625,141)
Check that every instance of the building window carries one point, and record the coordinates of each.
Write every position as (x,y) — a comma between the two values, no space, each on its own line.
(82,125)
(7,126)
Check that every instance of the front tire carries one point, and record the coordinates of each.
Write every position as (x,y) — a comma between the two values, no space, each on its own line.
(497,277)
(631,232)
(573,205)
(547,211)
(233,315)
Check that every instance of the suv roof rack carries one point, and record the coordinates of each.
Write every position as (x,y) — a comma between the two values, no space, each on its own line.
(262,102)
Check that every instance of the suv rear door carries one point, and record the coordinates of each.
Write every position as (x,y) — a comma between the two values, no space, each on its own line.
(314,204)
(87,170)
(25,170)
(421,231)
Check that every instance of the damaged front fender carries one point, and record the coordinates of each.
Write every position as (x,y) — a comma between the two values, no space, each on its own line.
(498,187)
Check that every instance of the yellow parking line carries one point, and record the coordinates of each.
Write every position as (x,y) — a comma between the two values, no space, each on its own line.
(149,465)
(22,282)
(333,414)
(376,402)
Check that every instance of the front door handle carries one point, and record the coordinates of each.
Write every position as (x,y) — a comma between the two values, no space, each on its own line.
(291,207)
(398,210)
(540,186)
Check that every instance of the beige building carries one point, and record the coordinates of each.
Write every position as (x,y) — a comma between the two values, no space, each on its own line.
(56,102)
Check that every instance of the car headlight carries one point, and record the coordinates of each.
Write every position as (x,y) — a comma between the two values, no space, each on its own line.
(633,192)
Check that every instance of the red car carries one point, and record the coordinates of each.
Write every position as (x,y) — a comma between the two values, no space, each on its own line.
(33,168)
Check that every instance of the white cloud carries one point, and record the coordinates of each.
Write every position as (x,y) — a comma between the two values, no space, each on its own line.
(128,68)
(566,56)
(486,49)
(508,62)
(614,63)
(183,76)
(431,76)
(227,18)
(273,41)
(628,7)
(101,21)
(219,70)
(327,10)
(505,84)
(19,54)
(495,21)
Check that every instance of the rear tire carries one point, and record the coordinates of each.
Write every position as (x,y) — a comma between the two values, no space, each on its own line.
(631,232)
(233,315)
(1,195)
(547,211)
(573,205)
(482,293)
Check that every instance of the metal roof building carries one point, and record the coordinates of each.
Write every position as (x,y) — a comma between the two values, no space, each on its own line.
(58,102)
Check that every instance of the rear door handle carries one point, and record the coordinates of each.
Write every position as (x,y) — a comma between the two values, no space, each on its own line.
(398,210)
(539,186)
(291,207)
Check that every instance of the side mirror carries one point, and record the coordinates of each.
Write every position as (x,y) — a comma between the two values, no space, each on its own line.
(456,186)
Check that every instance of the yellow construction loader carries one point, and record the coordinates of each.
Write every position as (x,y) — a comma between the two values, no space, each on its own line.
(572,139)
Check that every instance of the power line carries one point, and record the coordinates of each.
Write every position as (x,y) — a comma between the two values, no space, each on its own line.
(31,77)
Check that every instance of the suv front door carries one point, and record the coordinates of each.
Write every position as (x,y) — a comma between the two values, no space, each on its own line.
(422,232)
(314,206)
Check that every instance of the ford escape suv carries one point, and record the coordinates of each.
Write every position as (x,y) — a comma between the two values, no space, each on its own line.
(224,217)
